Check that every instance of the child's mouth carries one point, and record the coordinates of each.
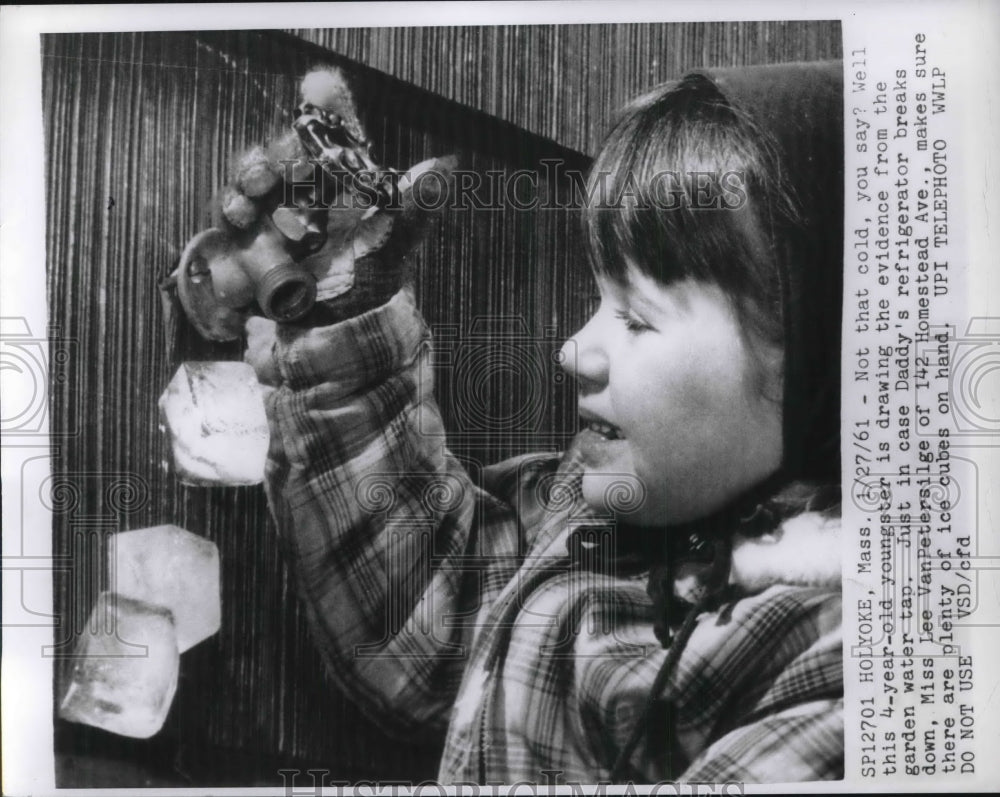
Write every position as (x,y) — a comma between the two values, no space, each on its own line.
(605,430)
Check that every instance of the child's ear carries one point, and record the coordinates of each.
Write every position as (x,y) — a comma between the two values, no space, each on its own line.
(765,369)
(774,373)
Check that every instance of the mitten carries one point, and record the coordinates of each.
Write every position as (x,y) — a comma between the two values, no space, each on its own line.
(309,230)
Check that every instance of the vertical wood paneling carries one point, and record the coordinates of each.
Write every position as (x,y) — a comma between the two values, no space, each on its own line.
(565,81)
(150,121)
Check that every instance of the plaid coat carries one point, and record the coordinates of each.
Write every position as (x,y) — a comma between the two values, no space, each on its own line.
(468,609)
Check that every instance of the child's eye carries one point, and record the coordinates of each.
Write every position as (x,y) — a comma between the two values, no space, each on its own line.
(633,323)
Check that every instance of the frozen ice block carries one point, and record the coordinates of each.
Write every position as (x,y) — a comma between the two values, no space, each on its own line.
(125,670)
(214,414)
(173,568)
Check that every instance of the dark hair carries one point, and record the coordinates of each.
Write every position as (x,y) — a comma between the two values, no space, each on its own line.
(724,217)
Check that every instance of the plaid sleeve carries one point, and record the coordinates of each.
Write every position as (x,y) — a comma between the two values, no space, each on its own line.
(784,722)
(375,514)
(756,697)
(801,743)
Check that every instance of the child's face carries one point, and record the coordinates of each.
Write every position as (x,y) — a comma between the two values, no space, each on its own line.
(691,415)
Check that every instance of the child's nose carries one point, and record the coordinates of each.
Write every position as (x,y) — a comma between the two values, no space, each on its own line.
(585,358)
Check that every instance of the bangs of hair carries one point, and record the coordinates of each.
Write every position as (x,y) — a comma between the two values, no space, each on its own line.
(686,186)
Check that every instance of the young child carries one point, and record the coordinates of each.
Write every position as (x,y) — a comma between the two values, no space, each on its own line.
(662,601)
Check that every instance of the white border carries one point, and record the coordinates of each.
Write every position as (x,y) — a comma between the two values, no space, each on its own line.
(27,759)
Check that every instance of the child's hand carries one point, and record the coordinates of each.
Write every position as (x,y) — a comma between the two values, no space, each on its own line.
(261,337)
(309,230)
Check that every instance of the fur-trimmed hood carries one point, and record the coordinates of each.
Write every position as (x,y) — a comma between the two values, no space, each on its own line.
(805,551)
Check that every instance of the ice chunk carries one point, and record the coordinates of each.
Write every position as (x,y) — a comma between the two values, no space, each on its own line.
(169,567)
(214,413)
(125,670)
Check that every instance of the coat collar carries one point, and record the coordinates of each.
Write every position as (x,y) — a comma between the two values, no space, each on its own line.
(805,551)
